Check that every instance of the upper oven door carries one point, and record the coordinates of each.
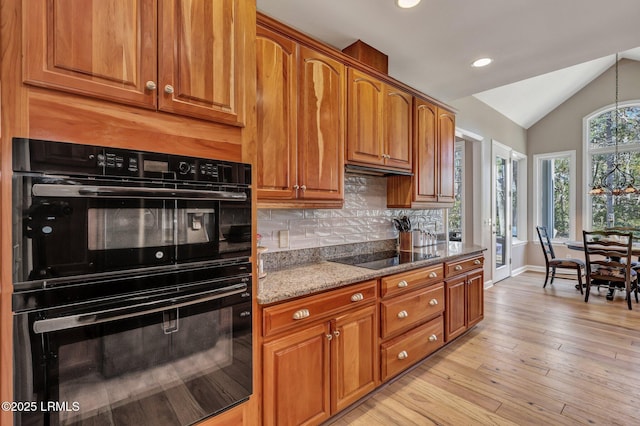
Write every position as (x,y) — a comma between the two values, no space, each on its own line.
(66,227)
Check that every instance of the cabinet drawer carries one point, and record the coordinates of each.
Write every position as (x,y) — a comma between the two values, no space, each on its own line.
(401,353)
(410,280)
(303,311)
(462,266)
(403,312)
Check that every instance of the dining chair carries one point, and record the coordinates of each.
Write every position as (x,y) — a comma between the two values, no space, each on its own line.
(552,263)
(608,260)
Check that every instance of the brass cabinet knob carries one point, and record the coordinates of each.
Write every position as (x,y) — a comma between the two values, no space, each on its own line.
(403,314)
(336,333)
(403,355)
(296,187)
(433,338)
(433,302)
(329,336)
(403,284)
(303,187)
(168,89)
(150,85)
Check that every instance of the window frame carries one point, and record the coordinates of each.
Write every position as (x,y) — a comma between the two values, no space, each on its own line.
(587,153)
(521,195)
(537,193)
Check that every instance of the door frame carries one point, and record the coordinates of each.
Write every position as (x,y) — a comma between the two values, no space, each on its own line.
(504,271)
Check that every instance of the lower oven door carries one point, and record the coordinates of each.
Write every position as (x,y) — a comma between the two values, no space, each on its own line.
(164,362)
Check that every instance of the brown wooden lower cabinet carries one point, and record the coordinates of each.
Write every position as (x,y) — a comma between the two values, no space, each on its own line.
(464,295)
(319,367)
(324,352)
(404,351)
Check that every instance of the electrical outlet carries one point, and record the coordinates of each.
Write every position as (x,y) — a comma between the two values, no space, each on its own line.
(283,237)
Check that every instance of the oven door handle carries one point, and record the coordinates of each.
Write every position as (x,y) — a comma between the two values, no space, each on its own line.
(131,311)
(91,191)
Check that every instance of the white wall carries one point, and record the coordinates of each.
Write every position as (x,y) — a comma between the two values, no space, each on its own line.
(478,118)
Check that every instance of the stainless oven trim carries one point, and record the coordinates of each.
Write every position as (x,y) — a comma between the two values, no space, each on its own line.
(138,309)
(91,191)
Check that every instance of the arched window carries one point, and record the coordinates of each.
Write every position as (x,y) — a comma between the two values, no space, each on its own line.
(600,149)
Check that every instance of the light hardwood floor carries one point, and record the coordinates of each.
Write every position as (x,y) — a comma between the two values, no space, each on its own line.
(540,356)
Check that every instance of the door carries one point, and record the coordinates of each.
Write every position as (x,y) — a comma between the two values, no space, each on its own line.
(446,144)
(354,357)
(501,212)
(104,49)
(321,126)
(426,163)
(398,115)
(201,59)
(298,367)
(276,115)
(364,132)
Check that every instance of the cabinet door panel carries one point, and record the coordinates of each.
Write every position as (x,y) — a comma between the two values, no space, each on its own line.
(201,55)
(321,131)
(296,368)
(364,137)
(354,357)
(455,318)
(447,136)
(475,297)
(100,48)
(398,114)
(426,166)
(276,115)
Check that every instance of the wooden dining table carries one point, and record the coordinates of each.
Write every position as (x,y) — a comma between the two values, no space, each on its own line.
(579,245)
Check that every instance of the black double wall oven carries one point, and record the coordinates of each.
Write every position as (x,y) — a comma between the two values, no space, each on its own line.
(132,285)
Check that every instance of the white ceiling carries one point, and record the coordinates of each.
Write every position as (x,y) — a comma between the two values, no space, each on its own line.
(432,46)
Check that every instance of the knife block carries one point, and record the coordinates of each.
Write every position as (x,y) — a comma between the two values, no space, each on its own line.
(406,241)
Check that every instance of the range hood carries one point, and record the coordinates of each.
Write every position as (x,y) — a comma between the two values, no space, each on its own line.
(373,171)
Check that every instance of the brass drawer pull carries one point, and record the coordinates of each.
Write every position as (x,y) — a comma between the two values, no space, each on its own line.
(403,355)
(433,338)
(403,314)
(301,314)
(458,268)
(433,275)
(403,284)
(477,262)
(433,302)
(357,297)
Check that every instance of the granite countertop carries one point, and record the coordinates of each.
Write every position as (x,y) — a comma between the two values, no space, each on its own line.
(284,284)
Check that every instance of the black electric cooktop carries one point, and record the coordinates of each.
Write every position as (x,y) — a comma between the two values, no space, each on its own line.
(383,259)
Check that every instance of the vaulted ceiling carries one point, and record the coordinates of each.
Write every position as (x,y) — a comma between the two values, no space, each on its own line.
(544,50)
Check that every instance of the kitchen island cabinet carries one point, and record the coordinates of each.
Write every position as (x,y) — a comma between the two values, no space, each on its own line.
(301,123)
(143,53)
(319,354)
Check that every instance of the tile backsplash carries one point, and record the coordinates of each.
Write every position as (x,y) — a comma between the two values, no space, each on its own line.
(364,217)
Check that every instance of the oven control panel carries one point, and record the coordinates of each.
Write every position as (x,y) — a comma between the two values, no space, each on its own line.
(62,157)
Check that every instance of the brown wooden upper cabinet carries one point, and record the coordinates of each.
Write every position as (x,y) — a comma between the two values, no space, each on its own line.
(379,123)
(301,126)
(179,56)
(432,180)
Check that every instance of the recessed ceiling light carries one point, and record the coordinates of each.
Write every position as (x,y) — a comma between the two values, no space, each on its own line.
(406,4)
(482,62)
